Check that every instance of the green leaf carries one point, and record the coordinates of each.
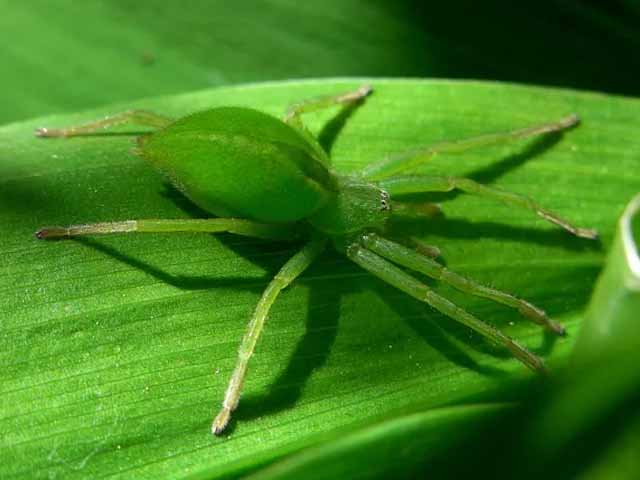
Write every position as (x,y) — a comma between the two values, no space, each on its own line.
(74,55)
(604,379)
(115,351)
(66,55)
(597,403)
(613,313)
(400,447)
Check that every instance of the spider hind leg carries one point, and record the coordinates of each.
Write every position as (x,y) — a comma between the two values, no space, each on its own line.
(387,271)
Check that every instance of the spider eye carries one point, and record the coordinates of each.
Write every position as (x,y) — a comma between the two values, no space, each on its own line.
(384,201)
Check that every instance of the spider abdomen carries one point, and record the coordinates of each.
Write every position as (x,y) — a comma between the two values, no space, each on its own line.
(241,162)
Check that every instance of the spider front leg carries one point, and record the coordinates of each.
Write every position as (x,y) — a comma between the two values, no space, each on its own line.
(136,117)
(295,112)
(313,104)
(409,258)
(387,271)
(287,274)
(405,161)
(237,226)
(422,183)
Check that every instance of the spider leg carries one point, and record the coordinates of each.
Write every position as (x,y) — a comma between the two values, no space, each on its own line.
(422,183)
(236,226)
(415,261)
(393,275)
(287,274)
(404,161)
(136,117)
(313,104)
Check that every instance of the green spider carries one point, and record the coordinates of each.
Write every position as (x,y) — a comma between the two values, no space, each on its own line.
(271,179)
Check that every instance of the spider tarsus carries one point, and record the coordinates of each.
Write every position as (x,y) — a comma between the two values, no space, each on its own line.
(588,233)
(570,121)
(531,360)
(430,251)
(357,95)
(48,132)
(365,90)
(541,368)
(51,232)
(221,421)
(558,328)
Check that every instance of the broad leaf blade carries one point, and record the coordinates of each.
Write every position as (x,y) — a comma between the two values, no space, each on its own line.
(116,351)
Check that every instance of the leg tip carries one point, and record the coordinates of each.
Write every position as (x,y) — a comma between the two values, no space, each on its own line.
(558,329)
(542,369)
(365,90)
(42,233)
(587,233)
(51,232)
(47,132)
(570,121)
(538,316)
(535,363)
(221,422)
